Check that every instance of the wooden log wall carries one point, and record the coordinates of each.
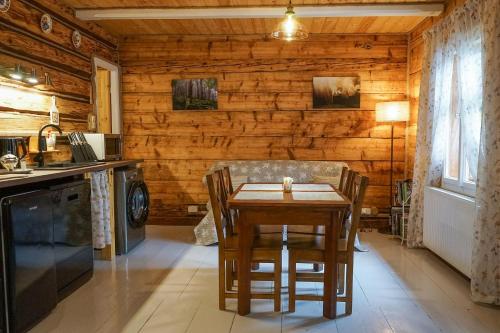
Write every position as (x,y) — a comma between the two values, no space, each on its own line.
(23,42)
(264,109)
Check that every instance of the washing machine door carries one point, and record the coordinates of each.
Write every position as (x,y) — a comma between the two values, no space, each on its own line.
(137,204)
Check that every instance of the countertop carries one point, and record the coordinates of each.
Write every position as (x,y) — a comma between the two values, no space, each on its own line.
(43,175)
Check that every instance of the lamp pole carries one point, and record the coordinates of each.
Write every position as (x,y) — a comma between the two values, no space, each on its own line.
(390,112)
(392,163)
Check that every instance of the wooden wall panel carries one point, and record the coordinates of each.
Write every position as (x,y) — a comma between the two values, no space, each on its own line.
(265,109)
(22,42)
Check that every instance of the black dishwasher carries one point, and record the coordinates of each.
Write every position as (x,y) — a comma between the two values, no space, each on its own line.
(28,279)
(74,251)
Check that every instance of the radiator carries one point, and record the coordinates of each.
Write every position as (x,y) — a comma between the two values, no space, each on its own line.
(448,226)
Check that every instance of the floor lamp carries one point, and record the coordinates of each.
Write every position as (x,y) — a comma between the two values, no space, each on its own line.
(391,112)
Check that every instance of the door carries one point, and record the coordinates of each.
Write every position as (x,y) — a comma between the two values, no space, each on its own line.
(106,82)
(103,100)
(137,204)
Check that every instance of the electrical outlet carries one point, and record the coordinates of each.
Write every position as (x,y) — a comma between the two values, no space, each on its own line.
(366,211)
(192,209)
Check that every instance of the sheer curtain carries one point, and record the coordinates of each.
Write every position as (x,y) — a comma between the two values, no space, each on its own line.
(470,87)
(485,280)
(435,99)
(451,62)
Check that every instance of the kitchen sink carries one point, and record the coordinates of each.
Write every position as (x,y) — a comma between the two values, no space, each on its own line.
(66,165)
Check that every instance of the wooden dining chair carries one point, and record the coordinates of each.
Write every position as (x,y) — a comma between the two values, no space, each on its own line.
(311,249)
(344,181)
(278,230)
(265,249)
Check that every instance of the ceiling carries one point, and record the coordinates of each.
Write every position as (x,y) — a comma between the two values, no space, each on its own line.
(245,26)
(260,26)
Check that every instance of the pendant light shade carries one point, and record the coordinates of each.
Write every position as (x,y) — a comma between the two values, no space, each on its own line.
(290,29)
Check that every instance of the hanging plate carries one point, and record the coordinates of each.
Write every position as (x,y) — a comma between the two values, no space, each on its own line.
(76,38)
(4,6)
(46,23)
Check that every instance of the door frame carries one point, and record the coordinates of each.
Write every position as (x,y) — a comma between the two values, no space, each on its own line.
(115,91)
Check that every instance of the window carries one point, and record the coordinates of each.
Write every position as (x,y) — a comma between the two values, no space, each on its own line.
(463,123)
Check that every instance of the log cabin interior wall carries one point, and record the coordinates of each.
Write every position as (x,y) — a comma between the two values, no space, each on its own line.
(22,42)
(265,109)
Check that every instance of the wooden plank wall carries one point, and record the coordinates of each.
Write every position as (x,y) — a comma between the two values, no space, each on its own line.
(23,42)
(265,109)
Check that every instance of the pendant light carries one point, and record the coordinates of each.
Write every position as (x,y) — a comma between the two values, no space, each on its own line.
(290,29)
(32,78)
(17,73)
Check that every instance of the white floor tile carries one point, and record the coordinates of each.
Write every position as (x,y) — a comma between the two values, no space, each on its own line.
(167,284)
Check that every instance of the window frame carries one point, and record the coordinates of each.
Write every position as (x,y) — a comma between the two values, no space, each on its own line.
(459,185)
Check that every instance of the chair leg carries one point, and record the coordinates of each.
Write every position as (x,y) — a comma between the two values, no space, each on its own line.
(277,283)
(229,275)
(317,267)
(235,272)
(292,276)
(349,285)
(341,279)
(222,285)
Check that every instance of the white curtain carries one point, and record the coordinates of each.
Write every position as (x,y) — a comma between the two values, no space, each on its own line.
(485,280)
(101,214)
(452,67)
(434,104)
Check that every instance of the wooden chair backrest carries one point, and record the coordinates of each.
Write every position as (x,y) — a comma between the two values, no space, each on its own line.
(360,183)
(343,177)
(227,180)
(218,201)
(348,186)
(227,187)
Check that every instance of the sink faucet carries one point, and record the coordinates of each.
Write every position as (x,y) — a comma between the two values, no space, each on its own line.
(42,144)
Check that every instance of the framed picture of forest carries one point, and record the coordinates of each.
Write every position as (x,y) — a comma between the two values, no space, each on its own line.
(341,92)
(194,94)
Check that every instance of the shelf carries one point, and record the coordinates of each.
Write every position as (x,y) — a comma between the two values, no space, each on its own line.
(47,151)
(42,90)
(26,134)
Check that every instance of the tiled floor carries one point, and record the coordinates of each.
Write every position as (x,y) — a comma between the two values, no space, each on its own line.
(170,285)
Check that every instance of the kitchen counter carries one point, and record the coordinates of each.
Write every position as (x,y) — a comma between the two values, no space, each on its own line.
(36,176)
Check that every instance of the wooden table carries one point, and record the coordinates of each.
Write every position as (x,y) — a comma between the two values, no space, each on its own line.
(307,204)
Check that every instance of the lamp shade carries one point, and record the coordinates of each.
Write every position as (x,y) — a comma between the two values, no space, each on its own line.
(290,29)
(392,111)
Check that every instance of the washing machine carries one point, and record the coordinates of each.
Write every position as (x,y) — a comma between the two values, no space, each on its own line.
(131,208)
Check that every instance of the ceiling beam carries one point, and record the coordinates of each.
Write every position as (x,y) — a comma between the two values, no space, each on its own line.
(432,9)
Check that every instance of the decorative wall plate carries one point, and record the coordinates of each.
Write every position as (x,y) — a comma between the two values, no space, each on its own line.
(4,6)
(76,38)
(46,23)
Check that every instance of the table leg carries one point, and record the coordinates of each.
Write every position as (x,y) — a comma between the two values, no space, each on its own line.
(244,265)
(330,273)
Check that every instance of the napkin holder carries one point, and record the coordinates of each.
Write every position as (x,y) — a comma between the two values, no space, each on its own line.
(287,184)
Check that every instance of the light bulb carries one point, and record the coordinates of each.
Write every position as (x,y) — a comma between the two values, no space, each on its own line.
(290,25)
(32,79)
(17,74)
